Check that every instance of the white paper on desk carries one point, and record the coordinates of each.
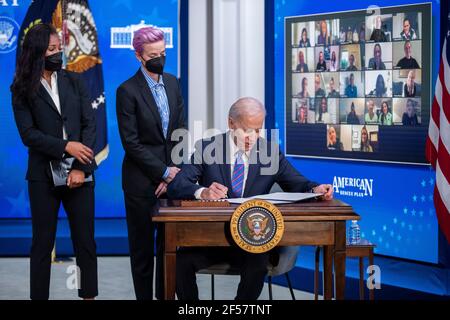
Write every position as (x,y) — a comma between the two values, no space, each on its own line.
(278,197)
(242,200)
(287,196)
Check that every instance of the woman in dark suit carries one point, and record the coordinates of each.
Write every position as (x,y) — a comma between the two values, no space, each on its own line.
(149,109)
(304,40)
(55,120)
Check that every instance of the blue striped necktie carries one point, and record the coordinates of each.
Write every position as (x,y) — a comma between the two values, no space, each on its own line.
(237,180)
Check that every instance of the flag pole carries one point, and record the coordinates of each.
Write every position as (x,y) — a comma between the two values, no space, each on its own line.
(54,260)
(63,43)
(54,254)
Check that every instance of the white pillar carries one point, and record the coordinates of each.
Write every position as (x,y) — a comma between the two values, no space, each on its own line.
(230,64)
(199,73)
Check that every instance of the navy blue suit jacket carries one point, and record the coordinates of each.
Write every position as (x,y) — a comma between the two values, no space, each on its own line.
(147,152)
(40,125)
(196,170)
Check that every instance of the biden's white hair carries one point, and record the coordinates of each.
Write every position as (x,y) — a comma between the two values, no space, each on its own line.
(246,106)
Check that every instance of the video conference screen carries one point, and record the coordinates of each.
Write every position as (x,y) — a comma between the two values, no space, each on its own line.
(358,84)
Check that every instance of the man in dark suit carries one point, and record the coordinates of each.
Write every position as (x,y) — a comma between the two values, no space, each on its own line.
(149,109)
(409,89)
(236,164)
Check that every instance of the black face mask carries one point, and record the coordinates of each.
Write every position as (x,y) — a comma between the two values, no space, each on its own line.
(54,62)
(156,65)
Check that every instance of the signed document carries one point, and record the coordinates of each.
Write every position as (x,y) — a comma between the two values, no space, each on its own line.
(279,197)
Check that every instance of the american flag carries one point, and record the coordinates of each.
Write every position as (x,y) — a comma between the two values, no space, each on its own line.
(438,140)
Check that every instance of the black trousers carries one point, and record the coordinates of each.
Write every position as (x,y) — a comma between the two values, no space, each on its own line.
(253,269)
(45,201)
(141,235)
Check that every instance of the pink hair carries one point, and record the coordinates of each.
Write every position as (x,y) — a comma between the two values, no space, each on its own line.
(146,35)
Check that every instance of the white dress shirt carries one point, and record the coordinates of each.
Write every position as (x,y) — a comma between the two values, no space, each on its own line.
(231,160)
(54,94)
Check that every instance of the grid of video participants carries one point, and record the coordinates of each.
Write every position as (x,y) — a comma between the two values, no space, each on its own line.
(356,74)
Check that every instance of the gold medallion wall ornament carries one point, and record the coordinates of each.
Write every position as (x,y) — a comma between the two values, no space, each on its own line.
(257,226)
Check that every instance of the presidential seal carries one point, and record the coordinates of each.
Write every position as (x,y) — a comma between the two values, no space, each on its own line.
(257,226)
(9,30)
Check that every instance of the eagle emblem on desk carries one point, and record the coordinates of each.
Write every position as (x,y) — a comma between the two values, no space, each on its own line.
(257,226)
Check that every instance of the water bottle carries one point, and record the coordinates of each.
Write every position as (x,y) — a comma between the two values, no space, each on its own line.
(354,234)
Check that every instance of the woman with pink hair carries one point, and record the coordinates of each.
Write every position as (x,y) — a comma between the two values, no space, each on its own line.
(149,109)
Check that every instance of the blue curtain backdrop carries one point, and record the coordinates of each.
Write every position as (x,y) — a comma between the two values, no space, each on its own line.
(399,215)
(118,65)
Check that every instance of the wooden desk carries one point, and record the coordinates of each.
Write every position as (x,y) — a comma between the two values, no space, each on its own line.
(318,223)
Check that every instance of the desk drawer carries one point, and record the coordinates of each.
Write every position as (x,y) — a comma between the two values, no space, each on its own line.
(203,234)
(206,234)
(307,233)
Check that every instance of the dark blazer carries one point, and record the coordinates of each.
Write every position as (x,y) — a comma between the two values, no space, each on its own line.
(40,125)
(184,185)
(147,152)
(407,94)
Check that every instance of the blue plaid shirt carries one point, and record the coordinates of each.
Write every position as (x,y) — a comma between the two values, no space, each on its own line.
(159,94)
